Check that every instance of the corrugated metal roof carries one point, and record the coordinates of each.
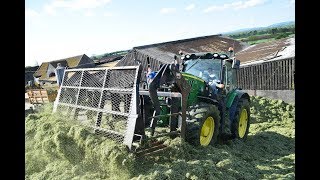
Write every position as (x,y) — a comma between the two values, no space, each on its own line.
(264,51)
(164,52)
(42,70)
(70,62)
(108,64)
(74,61)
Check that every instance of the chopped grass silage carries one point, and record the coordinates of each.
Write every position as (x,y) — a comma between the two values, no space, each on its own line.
(58,148)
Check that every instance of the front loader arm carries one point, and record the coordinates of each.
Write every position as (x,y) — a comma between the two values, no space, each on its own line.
(170,76)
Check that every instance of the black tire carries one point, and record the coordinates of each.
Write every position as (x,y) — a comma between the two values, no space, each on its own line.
(198,117)
(242,104)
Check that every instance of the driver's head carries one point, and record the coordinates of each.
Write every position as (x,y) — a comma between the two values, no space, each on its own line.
(211,73)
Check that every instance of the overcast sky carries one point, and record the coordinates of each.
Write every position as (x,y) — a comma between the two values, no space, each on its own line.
(56,29)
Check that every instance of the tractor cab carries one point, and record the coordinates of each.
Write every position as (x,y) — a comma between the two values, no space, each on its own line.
(213,68)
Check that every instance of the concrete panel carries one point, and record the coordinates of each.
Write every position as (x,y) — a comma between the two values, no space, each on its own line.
(285,95)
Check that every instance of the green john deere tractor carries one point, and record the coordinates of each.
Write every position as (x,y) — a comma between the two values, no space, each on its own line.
(198,98)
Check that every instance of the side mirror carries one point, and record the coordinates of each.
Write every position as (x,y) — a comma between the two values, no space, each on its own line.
(235,64)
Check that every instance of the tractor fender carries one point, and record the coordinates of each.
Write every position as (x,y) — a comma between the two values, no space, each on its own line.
(232,102)
(219,105)
(208,100)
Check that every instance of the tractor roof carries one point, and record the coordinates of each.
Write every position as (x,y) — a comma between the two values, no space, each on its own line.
(205,55)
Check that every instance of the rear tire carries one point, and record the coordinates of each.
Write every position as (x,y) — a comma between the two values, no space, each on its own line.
(241,124)
(203,128)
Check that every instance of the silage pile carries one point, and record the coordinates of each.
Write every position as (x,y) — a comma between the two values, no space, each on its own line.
(59,150)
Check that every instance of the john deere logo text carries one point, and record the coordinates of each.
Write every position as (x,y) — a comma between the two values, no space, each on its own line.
(191,82)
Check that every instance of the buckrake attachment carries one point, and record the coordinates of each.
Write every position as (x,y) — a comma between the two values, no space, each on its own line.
(103,99)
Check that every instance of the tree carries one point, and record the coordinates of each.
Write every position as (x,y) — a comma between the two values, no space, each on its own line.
(284,30)
(282,35)
(255,32)
(274,30)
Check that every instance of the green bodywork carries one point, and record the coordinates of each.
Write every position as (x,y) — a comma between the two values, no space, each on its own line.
(163,121)
(230,97)
(197,87)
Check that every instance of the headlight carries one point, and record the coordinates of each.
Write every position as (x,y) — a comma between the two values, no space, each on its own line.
(223,56)
(215,55)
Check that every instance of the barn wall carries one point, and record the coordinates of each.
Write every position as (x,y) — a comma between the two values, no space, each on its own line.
(271,75)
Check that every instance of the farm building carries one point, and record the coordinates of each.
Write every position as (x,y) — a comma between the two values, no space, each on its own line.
(46,71)
(28,75)
(161,53)
(268,69)
(108,61)
(109,64)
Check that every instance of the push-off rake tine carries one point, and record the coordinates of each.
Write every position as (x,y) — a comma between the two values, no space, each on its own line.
(155,147)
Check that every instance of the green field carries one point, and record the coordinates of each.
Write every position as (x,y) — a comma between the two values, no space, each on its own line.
(251,40)
(60,149)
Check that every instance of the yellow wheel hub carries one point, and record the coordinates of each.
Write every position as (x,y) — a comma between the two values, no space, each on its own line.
(207,131)
(243,123)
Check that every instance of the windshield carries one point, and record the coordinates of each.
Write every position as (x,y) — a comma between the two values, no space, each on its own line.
(203,68)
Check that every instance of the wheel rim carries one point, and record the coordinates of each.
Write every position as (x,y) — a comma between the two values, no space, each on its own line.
(243,123)
(207,131)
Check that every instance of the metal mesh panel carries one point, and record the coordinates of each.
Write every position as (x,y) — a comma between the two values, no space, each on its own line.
(118,79)
(89,98)
(101,98)
(71,78)
(113,126)
(65,110)
(119,102)
(93,78)
(68,95)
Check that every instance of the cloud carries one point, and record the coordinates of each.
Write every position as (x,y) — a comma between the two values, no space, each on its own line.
(108,14)
(252,21)
(89,14)
(190,7)
(74,5)
(248,4)
(31,13)
(49,10)
(235,5)
(292,2)
(214,8)
(167,10)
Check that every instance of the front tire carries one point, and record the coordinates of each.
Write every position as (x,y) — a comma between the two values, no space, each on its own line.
(203,128)
(241,123)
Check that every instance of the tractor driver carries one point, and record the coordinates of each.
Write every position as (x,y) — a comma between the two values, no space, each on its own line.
(213,81)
